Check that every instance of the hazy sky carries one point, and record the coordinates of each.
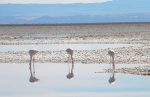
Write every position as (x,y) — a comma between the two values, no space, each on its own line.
(52,1)
(93,7)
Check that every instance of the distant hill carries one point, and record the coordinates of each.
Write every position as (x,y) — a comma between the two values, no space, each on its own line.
(112,11)
(134,17)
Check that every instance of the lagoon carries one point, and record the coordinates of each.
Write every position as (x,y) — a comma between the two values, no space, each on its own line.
(14,81)
(58,47)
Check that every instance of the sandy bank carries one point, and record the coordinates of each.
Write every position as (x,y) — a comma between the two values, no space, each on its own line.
(124,55)
(140,70)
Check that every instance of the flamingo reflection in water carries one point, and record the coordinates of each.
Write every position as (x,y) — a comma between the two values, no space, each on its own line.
(112,72)
(112,77)
(32,79)
(70,56)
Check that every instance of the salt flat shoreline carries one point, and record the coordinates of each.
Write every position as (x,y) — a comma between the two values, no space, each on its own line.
(109,33)
(105,33)
(123,55)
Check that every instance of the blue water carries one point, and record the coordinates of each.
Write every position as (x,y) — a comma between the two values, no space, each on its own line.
(57,47)
(14,81)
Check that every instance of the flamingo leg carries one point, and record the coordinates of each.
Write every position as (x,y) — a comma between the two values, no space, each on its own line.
(113,62)
(33,66)
(110,60)
(30,63)
(68,64)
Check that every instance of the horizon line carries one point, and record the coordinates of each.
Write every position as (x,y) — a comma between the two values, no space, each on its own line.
(74,2)
(55,3)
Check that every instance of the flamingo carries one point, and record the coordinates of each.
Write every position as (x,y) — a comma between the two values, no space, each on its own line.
(70,74)
(112,54)
(32,52)
(32,77)
(70,52)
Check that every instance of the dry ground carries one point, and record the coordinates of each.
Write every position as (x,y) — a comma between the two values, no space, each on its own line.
(81,33)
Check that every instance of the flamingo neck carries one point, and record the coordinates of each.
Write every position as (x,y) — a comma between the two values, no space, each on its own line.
(113,62)
(30,60)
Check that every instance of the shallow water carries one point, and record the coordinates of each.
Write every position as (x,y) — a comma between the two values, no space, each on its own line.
(46,36)
(58,47)
(14,81)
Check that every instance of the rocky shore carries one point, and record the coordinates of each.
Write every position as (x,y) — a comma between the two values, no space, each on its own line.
(105,33)
(124,55)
